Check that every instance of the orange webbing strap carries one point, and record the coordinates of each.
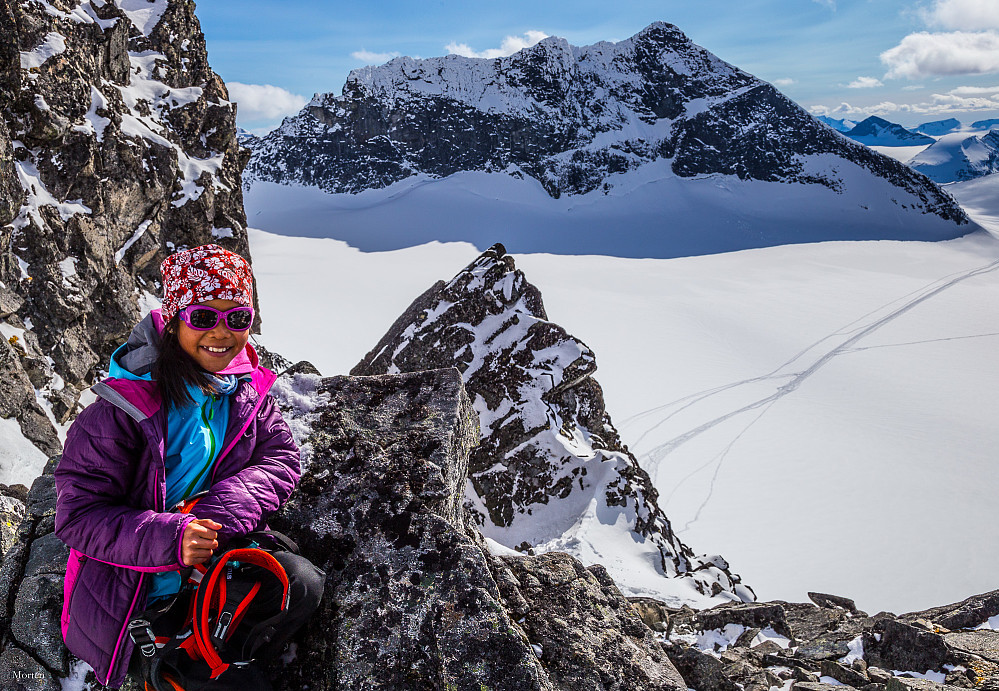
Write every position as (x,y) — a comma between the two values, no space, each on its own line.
(188,504)
(168,679)
(215,585)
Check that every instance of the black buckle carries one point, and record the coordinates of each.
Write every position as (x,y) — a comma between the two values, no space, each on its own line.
(141,633)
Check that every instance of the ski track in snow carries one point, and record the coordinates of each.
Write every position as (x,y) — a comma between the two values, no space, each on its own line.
(851,333)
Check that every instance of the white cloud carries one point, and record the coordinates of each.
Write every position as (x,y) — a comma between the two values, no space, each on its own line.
(786,81)
(369,58)
(975,90)
(963,99)
(864,83)
(263,101)
(926,54)
(831,4)
(968,15)
(509,46)
(913,87)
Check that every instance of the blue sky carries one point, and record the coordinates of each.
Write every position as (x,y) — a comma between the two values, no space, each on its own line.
(907,61)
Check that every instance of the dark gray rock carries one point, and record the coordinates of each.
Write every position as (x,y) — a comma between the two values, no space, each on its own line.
(749,615)
(532,385)
(912,684)
(834,601)
(564,610)
(906,647)
(814,686)
(878,675)
(700,670)
(983,643)
(844,674)
(967,614)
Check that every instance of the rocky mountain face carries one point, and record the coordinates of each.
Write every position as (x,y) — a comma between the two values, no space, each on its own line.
(875,131)
(549,471)
(118,146)
(417,599)
(573,118)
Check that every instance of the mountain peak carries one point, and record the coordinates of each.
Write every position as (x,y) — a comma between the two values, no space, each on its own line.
(586,120)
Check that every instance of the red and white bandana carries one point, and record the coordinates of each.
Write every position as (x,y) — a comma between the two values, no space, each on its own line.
(204,273)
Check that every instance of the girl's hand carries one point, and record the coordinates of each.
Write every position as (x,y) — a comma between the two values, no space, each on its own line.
(198,542)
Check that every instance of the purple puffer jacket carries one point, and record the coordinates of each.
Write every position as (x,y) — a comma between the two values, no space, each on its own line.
(110,509)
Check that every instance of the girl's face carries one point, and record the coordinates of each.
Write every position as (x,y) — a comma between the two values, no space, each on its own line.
(213,350)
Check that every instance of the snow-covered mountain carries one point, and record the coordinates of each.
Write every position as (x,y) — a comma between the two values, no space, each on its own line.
(938,128)
(959,156)
(985,124)
(875,131)
(654,111)
(843,125)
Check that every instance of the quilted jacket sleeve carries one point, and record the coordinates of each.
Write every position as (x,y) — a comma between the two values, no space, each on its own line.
(93,511)
(243,501)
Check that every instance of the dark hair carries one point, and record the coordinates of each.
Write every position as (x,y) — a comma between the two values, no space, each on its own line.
(174,370)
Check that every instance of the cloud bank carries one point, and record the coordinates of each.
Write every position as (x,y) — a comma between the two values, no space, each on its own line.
(963,99)
(263,101)
(971,47)
(509,46)
(953,53)
(965,15)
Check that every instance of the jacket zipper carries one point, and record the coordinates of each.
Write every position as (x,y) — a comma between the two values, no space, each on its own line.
(205,418)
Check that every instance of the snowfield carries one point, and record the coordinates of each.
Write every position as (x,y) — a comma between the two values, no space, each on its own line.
(823,415)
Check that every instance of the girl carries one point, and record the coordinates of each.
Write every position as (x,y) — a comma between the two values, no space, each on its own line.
(184,411)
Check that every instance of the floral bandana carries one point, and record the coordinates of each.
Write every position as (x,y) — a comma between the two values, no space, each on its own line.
(204,273)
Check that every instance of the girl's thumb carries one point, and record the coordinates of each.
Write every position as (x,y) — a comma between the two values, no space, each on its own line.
(209,523)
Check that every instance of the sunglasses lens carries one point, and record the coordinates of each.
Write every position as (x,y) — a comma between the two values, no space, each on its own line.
(239,320)
(201,318)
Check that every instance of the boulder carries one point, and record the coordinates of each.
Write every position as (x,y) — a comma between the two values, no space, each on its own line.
(967,614)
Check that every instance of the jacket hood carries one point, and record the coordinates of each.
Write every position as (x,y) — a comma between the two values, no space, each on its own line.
(134,360)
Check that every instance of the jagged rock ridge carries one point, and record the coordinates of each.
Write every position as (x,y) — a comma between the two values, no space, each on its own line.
(118,146)
(550,472)
(573,118)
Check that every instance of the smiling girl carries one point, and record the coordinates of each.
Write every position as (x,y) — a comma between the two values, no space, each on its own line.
(185,411)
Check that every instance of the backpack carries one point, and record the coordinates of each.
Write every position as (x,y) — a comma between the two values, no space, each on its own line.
(226,612)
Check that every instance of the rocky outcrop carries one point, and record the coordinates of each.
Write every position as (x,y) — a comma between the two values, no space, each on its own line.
(550,471)
(815,648)
(413,599)
(117,146)
(412,596)
(573,118)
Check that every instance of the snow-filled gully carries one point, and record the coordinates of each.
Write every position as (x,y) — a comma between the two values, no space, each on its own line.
(814,358)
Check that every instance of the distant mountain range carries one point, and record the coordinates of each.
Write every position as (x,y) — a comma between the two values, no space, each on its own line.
(602,120)
(875,131)
(959,156)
